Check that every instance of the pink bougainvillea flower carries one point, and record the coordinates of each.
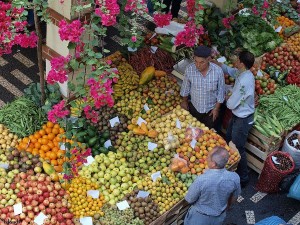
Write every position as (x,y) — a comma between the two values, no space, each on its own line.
(264,15)
(107,11)
(137,6)
(70,31)
(254,10)
(161,19)
(190,35)
(193,7)
(58,72)
(265,4)
(226,21)
(58,111)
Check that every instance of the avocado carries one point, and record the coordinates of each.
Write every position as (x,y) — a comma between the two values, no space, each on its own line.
(103,150)
(92,141)
(80,139)
(111,149)
(96,152)
(105,135)
(102,141)
(91,133)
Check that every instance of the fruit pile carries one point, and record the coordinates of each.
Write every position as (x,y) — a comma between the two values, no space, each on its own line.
(128,80)
(165,191)
(144,208)
(80,204)
(7,139)
(293,43)
(46,144)
(264,85)
(169,124)
(8,190)
(22,161)
(112,174)
(187,178)
(39,194)
(114,216)
(294,141)
(135,150)
(196,158)
(284,22)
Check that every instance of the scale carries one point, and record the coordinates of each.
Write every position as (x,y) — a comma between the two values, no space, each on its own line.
(180,66)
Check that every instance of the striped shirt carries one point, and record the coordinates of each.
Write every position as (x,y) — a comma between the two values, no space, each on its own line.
(210,192)
(205,91)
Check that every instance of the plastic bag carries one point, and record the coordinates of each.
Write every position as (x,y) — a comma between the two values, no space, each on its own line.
(295,154)
(287,182)
(171,142)
(192,133)
(179,165)
(295,189)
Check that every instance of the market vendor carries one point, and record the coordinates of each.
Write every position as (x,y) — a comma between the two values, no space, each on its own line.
(242,104)
(204,82)
(212,192)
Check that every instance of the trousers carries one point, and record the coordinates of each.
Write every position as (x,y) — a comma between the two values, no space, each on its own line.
(193,217)
(202,117)
(237,132)
(175,7)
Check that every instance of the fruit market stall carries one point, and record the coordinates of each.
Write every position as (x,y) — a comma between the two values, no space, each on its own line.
(132,162)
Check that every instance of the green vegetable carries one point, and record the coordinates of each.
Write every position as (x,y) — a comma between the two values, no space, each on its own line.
(22,116)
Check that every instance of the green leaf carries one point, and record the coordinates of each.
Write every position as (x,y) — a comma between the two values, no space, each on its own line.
(71,86)
(71,45)
(74,64)
(91,61)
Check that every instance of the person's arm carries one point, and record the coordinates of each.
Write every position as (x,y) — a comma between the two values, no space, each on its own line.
(194,192)
(220,97)
(234,195)
(226,69)
(185,91)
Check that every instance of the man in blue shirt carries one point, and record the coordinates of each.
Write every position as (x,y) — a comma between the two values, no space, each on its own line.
(212,192)
(242,104)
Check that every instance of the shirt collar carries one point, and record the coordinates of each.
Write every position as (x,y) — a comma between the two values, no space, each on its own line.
(215,170)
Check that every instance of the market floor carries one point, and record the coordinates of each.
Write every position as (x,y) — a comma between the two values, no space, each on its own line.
(19,69)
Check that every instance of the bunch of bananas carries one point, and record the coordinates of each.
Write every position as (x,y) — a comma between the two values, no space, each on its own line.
(77,106)
(128,80)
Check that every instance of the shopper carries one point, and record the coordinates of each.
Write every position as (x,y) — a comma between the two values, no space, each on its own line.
(213,192)
(242,104)
(204,82)
(174,9)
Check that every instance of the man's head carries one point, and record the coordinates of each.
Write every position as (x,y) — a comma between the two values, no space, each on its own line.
(217,158)
(245,59)
(202,57)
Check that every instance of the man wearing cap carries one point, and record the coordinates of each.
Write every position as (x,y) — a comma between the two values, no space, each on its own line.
(204,82)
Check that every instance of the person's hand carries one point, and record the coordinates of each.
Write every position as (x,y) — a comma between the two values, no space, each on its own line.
(214,113)
(184,105)
(256,99)
(215,62)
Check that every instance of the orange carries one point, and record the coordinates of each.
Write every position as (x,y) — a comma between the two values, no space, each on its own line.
(54,148)
(45,148)
(26,139)
(45,136)
(37,145)
(61,130)
(52,155)
(44,141)
(42,132)
(30,137)
(55,130)
(33,140)
(50,124)
(40,140)
(51,145)
(48,154)
(37,135)
(56,126)
(54,162)
(60,161)
(44,126)
(48,130)
(51,136)
(35,151)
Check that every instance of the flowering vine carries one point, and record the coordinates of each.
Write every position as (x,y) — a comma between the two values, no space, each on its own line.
(107,11)
(161,19)
(70,32)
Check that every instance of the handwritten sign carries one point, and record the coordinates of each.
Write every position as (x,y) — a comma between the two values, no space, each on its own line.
(40,218)
(89,159)
(140,121)
(259,73)
(18,209)
(107,144)
(193,143)
(221,59)
(142,194)
(86,221)
(278,29)
(178,124)
(146,107)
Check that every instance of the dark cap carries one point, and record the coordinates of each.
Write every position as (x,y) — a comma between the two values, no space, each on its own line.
(202,51)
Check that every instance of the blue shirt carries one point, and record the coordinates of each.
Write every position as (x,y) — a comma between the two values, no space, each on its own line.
(206,90)
(210,192)
(241,101)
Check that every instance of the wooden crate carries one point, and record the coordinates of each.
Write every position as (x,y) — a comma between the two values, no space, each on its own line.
(256,157)
(266,144)
(174,215)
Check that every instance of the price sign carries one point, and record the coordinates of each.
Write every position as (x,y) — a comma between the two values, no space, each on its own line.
(114,121)
(40,218)
(151,146)
(18,209)
(93,193)
(259,73)
(155,176)
(4,165)
(123,205)
(153,49)
(142,194)
(89,159)
(86,220)
(278,29)
(140,121)
(146,107)
(221,59)
(107,144)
